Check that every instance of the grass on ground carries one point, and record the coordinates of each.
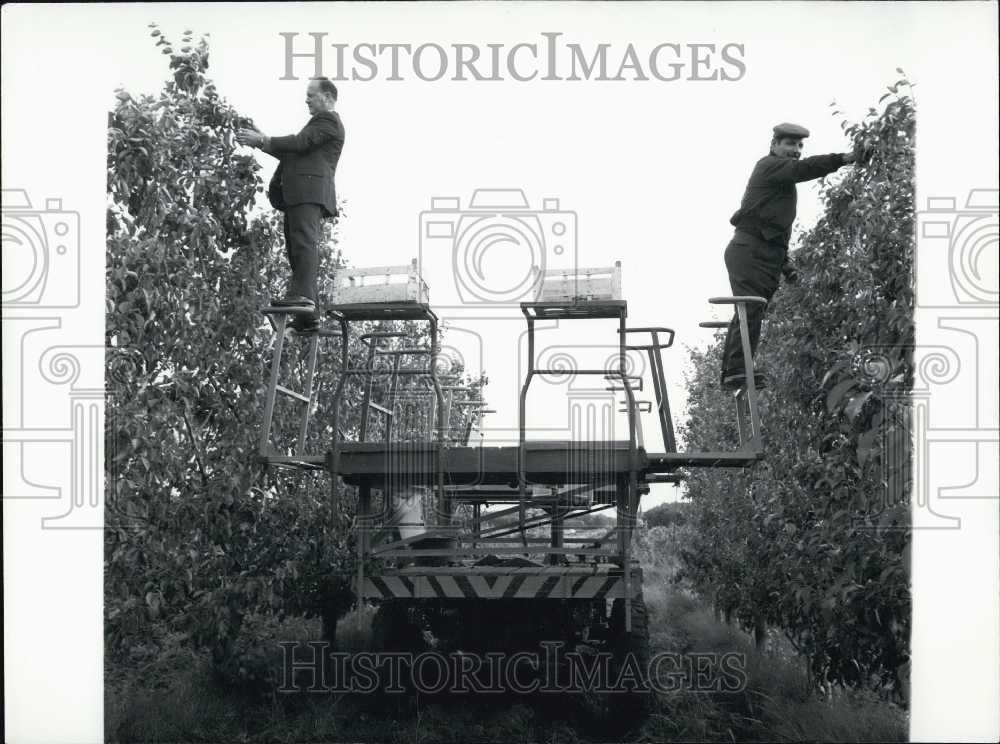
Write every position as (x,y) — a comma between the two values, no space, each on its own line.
(173,698)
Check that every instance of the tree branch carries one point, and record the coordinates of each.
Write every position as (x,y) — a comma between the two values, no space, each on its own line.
(196,445)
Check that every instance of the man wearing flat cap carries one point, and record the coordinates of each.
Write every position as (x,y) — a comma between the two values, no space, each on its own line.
(757,256)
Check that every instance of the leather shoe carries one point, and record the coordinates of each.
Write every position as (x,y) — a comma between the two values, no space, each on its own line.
(307,325)
(739,380)
(294,301)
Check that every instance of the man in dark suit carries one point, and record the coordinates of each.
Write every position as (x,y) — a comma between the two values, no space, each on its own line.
(757,256)
(303,188)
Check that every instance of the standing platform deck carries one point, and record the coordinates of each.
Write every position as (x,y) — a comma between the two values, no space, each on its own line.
(549,463)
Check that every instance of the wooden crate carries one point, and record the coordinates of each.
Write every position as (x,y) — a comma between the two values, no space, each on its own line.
(380,284)
(581,285)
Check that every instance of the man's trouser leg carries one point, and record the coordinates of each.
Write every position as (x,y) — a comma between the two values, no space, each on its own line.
(303,231)
(754,269)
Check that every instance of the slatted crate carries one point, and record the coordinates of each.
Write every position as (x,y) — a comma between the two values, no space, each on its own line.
(380,284)
(582,284)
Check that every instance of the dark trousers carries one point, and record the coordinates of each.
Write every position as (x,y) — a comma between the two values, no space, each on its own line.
(754,269)
(303,231)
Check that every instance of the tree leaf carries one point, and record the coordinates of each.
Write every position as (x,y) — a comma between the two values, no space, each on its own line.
(855,404)
(838,392)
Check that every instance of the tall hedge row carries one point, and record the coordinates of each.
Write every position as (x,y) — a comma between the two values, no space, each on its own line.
(199,536)
(814,540)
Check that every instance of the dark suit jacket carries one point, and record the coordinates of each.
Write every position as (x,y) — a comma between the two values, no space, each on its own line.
(308,163)
(768,207)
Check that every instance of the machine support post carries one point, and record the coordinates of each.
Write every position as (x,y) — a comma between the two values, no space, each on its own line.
(522,452)
(337,396)
(367,394)
(441,501)
(659,395)
(310,374)
(632,488)
(748,361)
(662,398)
(393,381)
(363,521)
(556,530)
(265,431)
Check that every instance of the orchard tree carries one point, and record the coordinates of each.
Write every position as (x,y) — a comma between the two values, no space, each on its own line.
(814,540)
(199,536)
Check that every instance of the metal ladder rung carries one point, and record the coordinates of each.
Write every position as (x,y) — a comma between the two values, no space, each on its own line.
(744,421)
(292,393)
(386,371)
(377,407)
(403,352)
(312,345)
(628,380)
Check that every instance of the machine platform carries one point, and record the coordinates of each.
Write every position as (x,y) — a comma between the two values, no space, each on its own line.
(424,518)
(546,462)
(384,311)
(564,310)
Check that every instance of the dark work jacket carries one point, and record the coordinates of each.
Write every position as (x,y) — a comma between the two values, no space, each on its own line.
(308,163)
(768,207)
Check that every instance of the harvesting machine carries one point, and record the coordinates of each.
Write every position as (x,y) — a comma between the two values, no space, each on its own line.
(476,538)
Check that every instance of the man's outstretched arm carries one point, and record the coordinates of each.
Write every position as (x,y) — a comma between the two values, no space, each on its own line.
(314,135)
(790,170)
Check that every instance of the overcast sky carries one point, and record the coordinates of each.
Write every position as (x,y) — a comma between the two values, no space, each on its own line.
(649,170)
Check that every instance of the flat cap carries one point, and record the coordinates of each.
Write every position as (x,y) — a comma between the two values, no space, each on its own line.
(790,130)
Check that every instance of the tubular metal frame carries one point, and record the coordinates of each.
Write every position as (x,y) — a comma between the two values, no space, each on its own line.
(532,462)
